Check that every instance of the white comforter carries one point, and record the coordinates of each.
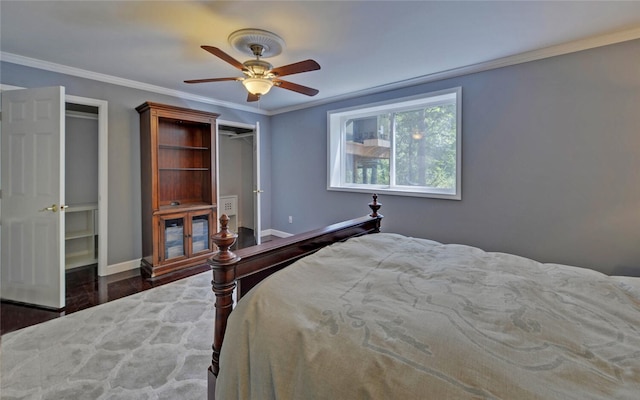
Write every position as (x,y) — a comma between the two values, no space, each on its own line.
(385,316)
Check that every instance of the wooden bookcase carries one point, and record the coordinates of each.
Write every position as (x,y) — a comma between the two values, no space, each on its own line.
(178,179)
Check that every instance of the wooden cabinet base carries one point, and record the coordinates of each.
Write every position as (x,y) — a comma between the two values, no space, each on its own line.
(151,271)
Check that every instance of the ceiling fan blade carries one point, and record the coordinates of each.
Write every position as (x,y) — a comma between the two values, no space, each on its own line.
(295,87)
(224,56)
(252,97)
(296,68)
(210,80)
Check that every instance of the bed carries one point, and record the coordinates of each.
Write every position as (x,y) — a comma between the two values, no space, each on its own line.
(380,316)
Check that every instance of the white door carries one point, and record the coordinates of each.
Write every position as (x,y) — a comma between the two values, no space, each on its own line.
(257,188)
(32,261)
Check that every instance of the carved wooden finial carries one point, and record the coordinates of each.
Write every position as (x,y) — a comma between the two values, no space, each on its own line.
(375,206)
(224,240)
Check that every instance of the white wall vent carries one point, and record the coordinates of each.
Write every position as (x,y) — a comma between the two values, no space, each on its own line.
(229,206)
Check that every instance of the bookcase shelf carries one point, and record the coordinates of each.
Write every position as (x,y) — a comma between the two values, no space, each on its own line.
(174,147)
(184,169)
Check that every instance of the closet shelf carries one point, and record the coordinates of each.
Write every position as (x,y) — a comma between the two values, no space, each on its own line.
(81,207)
(80,259)
(78,234)
(81,232)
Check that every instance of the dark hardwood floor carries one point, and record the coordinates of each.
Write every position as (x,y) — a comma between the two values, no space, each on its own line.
(84,289)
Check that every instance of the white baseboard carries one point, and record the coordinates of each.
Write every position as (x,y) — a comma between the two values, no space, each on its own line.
(274,232)
(123,266)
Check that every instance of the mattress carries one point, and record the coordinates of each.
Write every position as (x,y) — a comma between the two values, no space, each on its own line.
(387,316)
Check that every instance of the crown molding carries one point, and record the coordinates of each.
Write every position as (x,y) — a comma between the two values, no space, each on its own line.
(534,55)
(82,73)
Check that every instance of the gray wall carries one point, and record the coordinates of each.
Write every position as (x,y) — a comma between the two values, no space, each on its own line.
(124,147)
(550,167)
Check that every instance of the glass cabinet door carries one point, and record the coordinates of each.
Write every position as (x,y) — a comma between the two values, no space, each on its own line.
(200,228)
(174,237)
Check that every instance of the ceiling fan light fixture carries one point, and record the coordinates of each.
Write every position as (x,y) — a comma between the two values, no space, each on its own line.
(260,76)
(257,86)
(257,68)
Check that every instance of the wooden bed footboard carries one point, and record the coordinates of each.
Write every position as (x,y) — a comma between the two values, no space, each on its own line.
(247,267)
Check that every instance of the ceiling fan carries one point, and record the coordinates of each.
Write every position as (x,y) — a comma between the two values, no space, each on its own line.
(259,75)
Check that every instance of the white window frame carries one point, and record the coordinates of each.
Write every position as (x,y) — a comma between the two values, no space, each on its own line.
(336,136)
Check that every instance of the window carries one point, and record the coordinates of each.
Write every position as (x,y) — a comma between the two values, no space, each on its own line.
(409,146)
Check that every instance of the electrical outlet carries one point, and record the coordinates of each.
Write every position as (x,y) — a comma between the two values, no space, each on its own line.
(290,219)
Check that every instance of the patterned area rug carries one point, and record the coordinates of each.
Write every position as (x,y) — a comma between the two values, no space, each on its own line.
(152,345)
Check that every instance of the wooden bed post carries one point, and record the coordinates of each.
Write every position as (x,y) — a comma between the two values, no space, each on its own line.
(223,264)
(375,206)
(252,264)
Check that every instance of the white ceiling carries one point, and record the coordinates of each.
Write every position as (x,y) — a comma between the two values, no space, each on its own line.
(360,45)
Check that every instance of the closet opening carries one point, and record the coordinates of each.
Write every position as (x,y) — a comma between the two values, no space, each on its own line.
(238,181)
(81,186)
